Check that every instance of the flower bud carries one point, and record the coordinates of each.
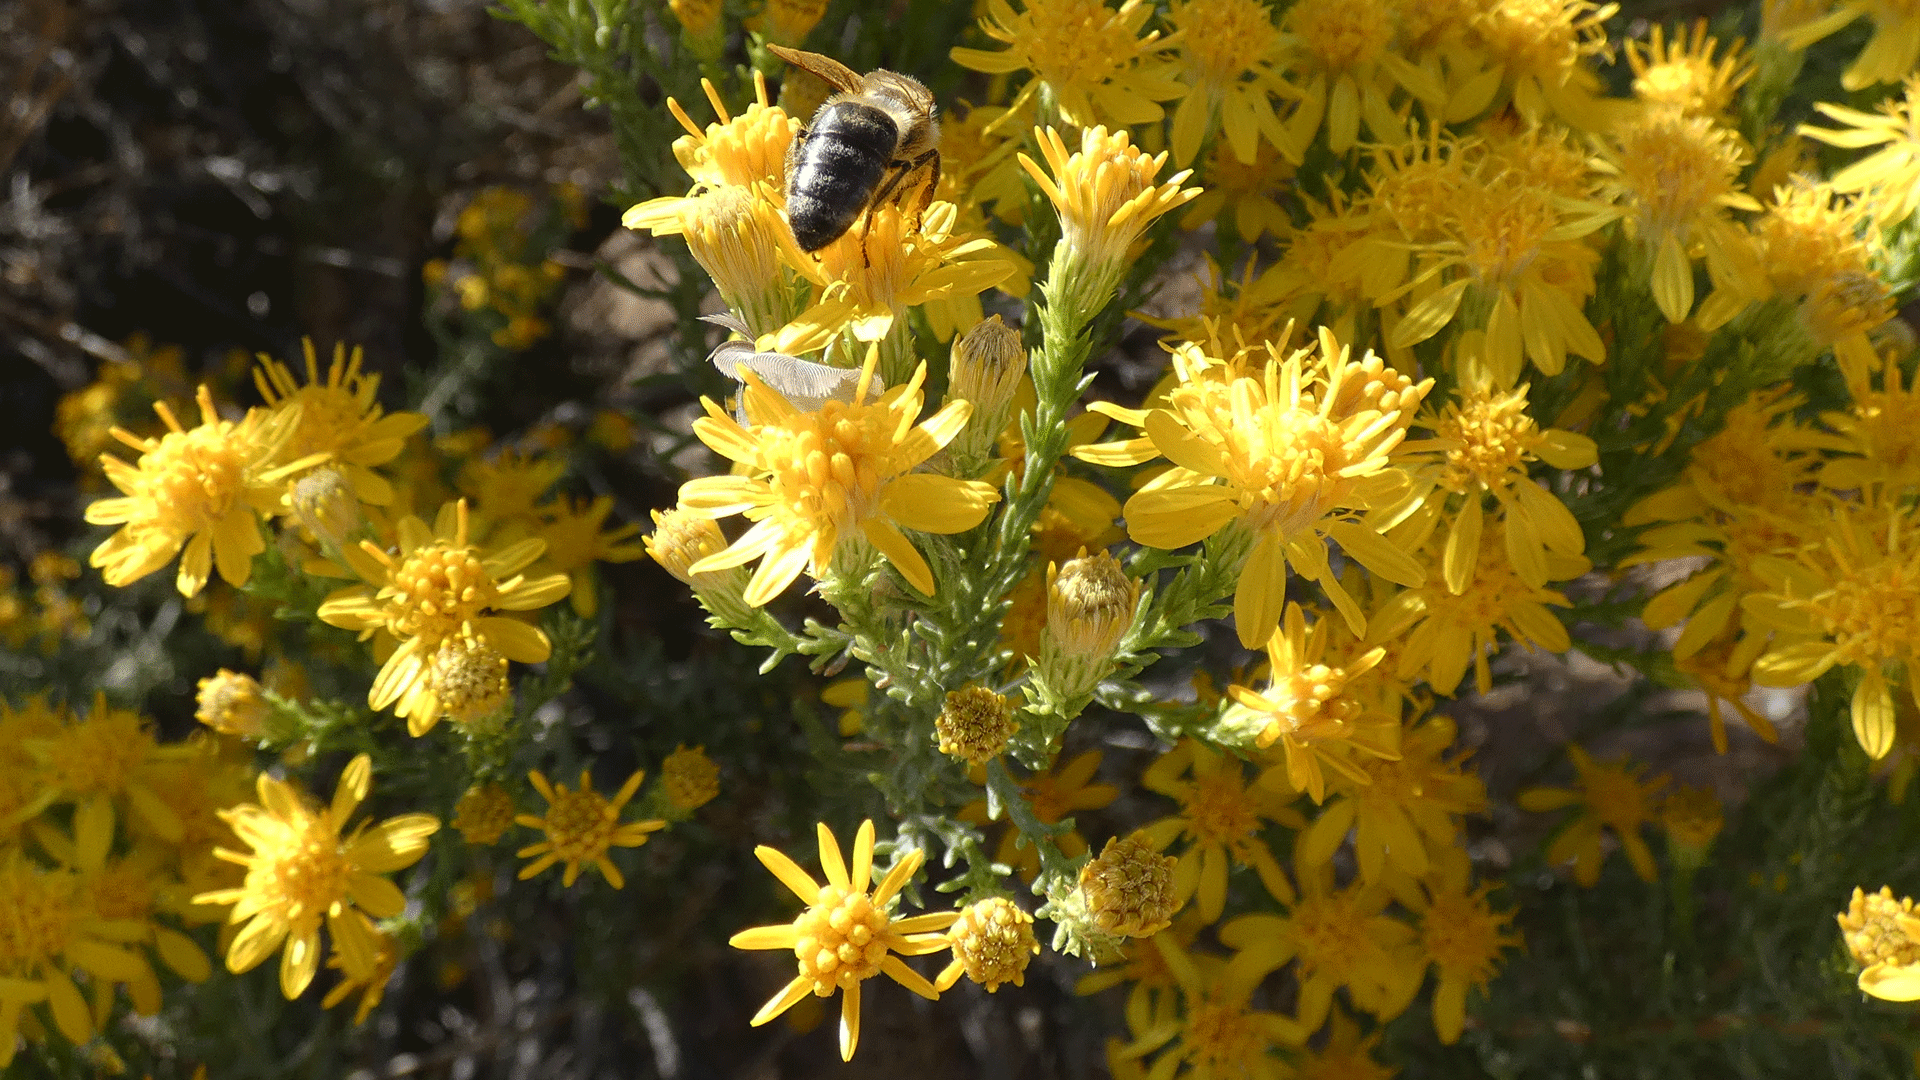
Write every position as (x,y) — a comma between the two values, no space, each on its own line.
(690,778)
(469,679)
(324,504)
(975,724)
(700,21)
(483,814)
(1693,820)
(788,22)
(1129,888)
(987,364)
(233,704)
(992,943)
(681,538)
(733,232)
(1090,603)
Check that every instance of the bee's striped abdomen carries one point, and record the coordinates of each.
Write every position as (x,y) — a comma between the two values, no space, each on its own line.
(840,163)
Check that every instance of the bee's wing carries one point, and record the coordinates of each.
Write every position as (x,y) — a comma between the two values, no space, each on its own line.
(837,75)
(805,383)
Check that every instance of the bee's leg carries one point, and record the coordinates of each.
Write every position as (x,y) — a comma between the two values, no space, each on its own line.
(929,163)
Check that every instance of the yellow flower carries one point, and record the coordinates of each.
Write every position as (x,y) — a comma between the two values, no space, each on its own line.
(302,870)
(511,486)
(340,418)
(1446,631)
(1221,816)
(974,724)
(49,935)
(1247,194)
(737,150)
(1090,58)
(1679,174)
(1542,49)
(1892,173)
(1878,436)
(1309,709)
(1462,936)
(1288,453)
(1719,669)
(1340,52)
(1683,74)
(1336,937)
(231,703)
(203,489)
(370,981)
(1693,819)
(107,757)
(689,778)
(992,943)
(1128,888)
(435,588)
(1346,1055)
(1884,937)
(846,935)
(1610,794)
(737,235)
(575,542)
(483,814)
(581,826)
(889,261)
(1405,811)
(1052,796)
(1231,49)
(1218,1033)
(818,482)
(1852,600)
(1483,442)
(1890,55)
(788,22)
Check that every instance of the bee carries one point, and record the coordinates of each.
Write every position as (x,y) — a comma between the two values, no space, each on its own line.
(874,141)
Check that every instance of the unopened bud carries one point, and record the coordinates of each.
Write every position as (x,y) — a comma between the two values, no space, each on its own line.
(1090,603)
(987,364)
(681,538)
(700,20)
(483,814)
(992,943)
(788,22)
(1129,888)
(324,503)
(233,704)
(733,232)
(975,724)
(469,678)
(690,778)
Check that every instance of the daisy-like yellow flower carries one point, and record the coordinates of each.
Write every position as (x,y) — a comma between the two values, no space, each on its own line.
(575,542)
(1231,49)
(818,482)
(1852,600)
(1542,50)
(483,814)
(846,935)
(581,826)
(1720,670)
(736,233)
(1679,174)
(992,944)
(1883,934)
(371,981)
(1337,937)
(1218,1033)
(1682,73)
(203,489)
(1221,816)
(1890,55)
(1247,196)
(302,871)
(1408,809)
(1289,453)
(737,150)
(1089,58)
(1610,794)
(436,587)
(50,935)
(106,759)
(511,485)
(1462,936)
(889,261)
(338,418)
(1310,710)
(1483,442)
(1878,434)
(1052,796)
(1446,632)
(1347,1054)
(1891,173)
(1340,52)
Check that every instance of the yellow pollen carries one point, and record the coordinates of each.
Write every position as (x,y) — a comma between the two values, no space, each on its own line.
(192,478)
(307,871)
(1342,34)
(483,814)
(580,824)
(1501,228)
(1076,42)
(438,588)
(993,941)
(1871,932)
(1218,809)
(842,940)
(1311,697)
(1543,38)
(1677,166)
(1495,434)
(469,677)
(1461,935)
(1874,614)
(1331,931)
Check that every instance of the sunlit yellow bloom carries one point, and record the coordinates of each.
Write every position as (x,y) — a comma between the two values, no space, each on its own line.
(1309,710)
(1052,796)
(1445,631)
(1883,934)
(1221,816)
(1406,810)
(1336,937)
(1341,55)
(889,261)
(1231,49)
(302,870)
(370,981)
(437,587)
(736,234)
(846,935)
(203,489)
(1683,74)
(1878,435)
(1462,936)
(1891,173)
(1679,174)
(1245,195)
(483,814)
(1090,58)
(339,417)
(1288,452)
(575,543)
(231,703)
(817,482)
(992,944)
(1851,600)
(510,485)
(737,150)
(50,933)
(1890,55)
(788,22)
(100,761)
(581,827)
(1218,1033)
(1542,49)
(1611,795)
